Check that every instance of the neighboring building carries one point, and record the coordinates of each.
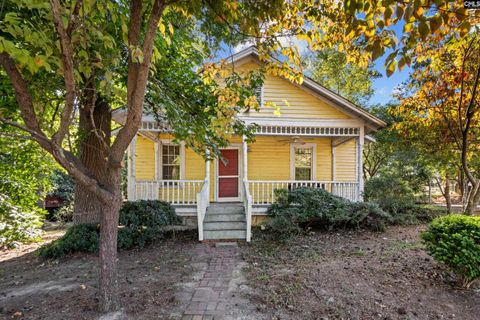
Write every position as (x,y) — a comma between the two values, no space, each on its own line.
(316,142)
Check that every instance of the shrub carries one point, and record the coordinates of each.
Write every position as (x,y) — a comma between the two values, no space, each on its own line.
(366,215)
(304,206)
(394,196)
(63,186)
(78,238)
(64,214)
(455,241)
(140,223)
(18,224)
(391,193)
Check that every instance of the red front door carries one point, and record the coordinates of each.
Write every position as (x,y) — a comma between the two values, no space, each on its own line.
(228,174)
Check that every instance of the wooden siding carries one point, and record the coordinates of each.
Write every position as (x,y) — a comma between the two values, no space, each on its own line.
(301,104)
(269,159)
(345,161)
(145,159)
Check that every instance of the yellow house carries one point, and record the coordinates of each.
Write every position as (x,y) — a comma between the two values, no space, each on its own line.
(316,142)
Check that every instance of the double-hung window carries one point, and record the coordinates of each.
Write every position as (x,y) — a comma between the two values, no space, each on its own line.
(303,162)
(170,162)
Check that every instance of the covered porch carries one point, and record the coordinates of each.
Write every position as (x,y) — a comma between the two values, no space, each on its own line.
(287,156)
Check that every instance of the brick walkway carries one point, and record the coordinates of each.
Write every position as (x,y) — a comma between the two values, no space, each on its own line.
(213,295)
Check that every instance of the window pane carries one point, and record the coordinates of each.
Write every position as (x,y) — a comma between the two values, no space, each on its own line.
(303,174)
(175,172)
(303,157)
(167,172)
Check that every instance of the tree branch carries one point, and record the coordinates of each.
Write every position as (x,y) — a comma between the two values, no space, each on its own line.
(68,73)
(137,81)
(73,19)
(22,94)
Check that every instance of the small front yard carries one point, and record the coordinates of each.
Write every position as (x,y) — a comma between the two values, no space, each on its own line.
(33,288)
(325,275)
(354,275)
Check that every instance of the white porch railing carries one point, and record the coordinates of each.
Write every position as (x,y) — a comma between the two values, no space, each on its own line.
(177,192)
(247,203)
(263,191)
(203,202)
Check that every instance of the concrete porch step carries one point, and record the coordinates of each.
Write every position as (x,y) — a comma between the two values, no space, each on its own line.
(219,217)
(224,225)
(225,208)
(224,234)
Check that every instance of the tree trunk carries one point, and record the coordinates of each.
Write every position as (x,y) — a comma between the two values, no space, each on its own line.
(94,141)
(109,299)
(448,200)
(473,199)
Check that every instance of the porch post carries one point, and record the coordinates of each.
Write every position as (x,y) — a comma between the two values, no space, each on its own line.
(156,160)
(360,142)
(245,158)
(131,170)
(207,174)
(334,151)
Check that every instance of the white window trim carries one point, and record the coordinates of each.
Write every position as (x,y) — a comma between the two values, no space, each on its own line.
(169,142)
(293,147)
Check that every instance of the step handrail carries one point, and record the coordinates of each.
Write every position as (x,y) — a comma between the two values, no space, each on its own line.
(247,203)
(202,203)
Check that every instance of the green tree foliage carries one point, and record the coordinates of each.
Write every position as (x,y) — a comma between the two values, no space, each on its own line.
(63,186)
(331,69)
(24,177)
(18,224)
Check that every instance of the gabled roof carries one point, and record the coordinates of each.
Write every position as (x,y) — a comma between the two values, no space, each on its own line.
(340,102)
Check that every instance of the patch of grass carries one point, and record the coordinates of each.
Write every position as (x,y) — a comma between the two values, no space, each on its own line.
(263,276)
(398,246)
(312,255)
(359,253)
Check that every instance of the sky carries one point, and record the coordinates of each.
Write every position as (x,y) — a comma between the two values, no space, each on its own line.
(385,86)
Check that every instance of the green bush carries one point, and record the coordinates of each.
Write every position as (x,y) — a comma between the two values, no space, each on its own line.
(63,186)
(366,215)
(18,224)
(393,195)
(140,223)
(455,241)
(78,238)
(65,213)
(296,209)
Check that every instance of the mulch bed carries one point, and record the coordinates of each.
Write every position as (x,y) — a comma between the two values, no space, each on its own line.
(354,275)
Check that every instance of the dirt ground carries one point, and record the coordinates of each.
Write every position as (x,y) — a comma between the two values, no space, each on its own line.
(355,275)
(344,275)
(32,288)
